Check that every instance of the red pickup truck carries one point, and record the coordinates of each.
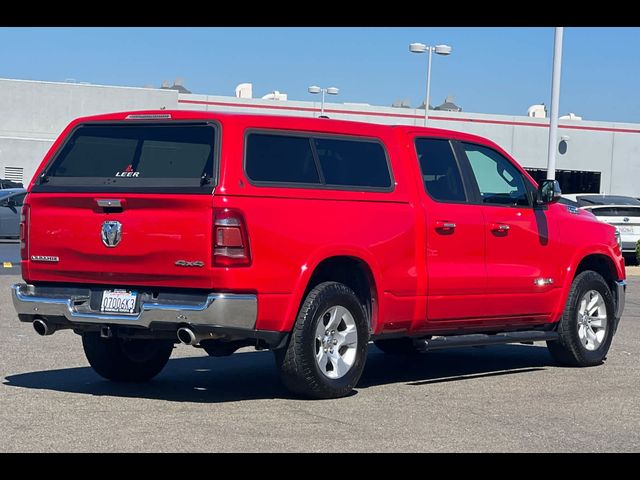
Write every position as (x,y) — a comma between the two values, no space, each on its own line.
(308,237)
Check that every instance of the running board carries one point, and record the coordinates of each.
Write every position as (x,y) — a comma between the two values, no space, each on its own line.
(478,339)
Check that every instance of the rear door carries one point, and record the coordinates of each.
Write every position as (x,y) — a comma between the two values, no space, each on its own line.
(126,203)
(455,248)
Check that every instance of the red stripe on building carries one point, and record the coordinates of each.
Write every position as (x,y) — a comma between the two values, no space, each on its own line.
(406,115)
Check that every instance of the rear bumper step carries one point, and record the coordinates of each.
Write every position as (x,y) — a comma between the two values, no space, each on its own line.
(474,340)
(234,311)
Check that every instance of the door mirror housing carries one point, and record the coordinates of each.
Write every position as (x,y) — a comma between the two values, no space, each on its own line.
(548,192)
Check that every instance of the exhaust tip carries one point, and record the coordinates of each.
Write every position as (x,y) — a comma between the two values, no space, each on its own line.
(186,336)
(42,328)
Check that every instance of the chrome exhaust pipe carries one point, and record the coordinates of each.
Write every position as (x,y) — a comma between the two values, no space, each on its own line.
(187,336)
(42,327)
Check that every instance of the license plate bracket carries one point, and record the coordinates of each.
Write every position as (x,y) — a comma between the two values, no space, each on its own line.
(119,301)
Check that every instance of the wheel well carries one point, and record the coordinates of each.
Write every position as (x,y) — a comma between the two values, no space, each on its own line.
(352,272)
(602,265)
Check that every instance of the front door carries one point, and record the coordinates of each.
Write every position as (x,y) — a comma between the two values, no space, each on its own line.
(454,236)
(522,277)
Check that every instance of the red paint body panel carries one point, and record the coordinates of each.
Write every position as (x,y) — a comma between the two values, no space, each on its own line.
(424,279)
(455,260)
(516,257)
(158,230)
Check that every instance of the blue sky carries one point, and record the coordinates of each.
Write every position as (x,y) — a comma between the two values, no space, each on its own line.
(492,70)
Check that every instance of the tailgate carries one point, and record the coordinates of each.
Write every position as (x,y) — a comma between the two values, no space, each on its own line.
(164,240)
(126,204)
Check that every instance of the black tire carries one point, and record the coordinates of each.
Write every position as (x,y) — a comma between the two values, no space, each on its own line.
(298,367)
(397,346)
(568,350)
(124,360)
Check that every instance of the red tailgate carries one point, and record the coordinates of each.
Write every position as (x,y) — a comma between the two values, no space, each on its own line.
(156,232)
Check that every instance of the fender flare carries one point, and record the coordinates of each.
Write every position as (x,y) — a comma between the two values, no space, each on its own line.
(569,272)
(315,259)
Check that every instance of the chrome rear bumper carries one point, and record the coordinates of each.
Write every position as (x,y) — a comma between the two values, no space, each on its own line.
(237,311)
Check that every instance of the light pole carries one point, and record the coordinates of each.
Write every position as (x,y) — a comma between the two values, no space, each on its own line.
(422,48)
(555,102)
(330,91)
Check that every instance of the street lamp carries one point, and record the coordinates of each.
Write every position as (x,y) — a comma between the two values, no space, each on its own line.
(422,48)
(331,91)
(555,102)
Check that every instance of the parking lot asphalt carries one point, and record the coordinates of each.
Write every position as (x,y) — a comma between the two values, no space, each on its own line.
(9,257)
(500,398)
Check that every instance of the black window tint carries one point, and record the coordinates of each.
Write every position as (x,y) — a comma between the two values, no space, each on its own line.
(616,212)
(94,156)
(167,159)
(440,171)
(280,158)
(499,182)
(145,151)
(571,181)
(353,163)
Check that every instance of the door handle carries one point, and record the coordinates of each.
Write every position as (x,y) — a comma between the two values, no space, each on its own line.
(444,225)
(499,227)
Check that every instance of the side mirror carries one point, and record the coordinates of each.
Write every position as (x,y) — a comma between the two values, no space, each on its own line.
(548,192)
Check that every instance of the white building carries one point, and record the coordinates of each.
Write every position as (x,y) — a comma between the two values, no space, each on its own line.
(593,156)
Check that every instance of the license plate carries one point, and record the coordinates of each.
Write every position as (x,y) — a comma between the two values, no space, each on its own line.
(118,301)
(625,229)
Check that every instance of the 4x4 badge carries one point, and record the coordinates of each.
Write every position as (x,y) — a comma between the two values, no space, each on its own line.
(185,263)
(111,233)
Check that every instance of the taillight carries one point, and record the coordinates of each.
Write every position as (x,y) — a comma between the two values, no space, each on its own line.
(230,239)
(24,231)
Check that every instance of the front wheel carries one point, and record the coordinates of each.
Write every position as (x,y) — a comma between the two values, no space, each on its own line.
(125,360)
(327,349)
(586,327)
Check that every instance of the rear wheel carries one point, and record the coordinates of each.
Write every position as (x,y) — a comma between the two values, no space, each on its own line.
(586,326)
(327,348)
(125,360)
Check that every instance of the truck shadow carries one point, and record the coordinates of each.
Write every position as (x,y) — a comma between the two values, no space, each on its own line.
(253,375)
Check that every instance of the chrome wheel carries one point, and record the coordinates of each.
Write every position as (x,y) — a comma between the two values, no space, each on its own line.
(336,342)
(592,320)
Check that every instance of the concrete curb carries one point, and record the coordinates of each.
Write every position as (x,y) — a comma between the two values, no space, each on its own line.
(635,270)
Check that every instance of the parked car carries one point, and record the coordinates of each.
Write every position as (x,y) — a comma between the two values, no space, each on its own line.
(9,184)
(621,212)
(309,237)
(11,200)
(566,200)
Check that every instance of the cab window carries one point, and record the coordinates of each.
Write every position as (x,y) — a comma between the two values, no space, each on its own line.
(498,180)
(440,173)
